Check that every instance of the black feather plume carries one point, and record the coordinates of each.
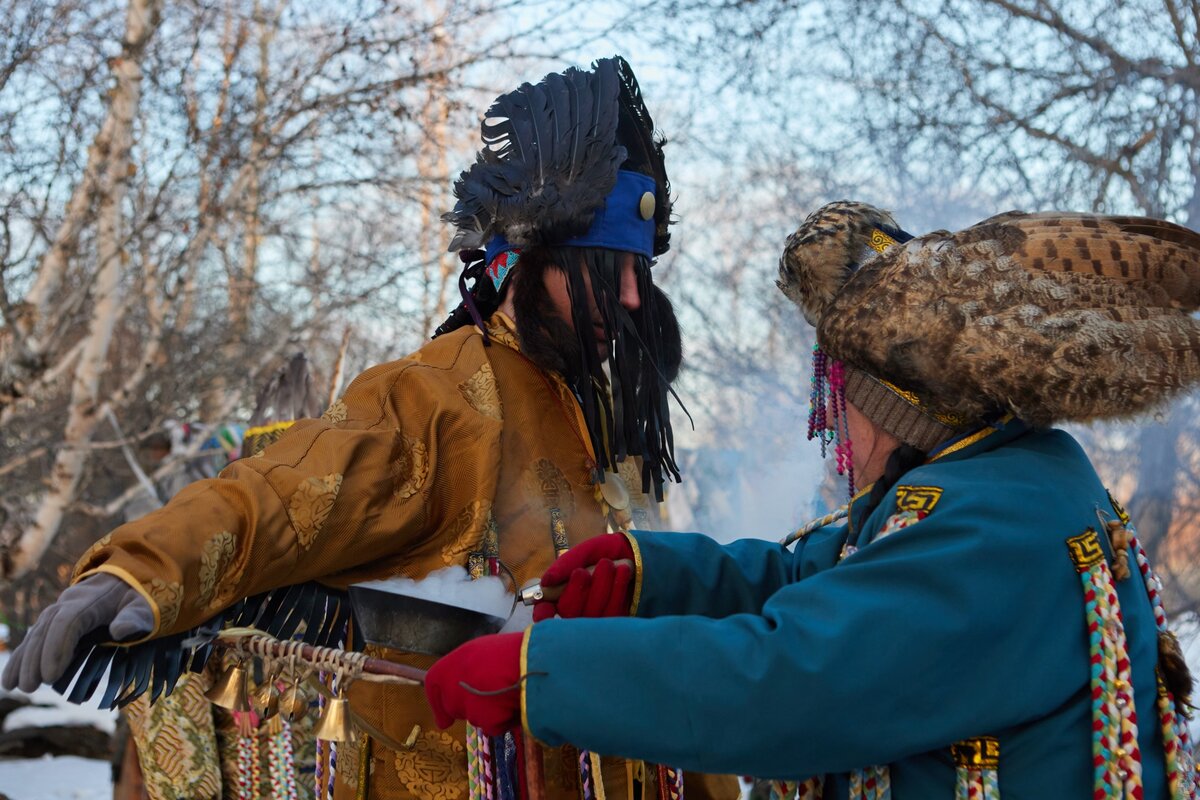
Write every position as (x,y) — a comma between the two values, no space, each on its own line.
(550,157)
(635,130)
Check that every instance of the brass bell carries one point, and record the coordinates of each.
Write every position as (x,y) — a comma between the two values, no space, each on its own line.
(293,704)
(334,725)
(265,699)
(230,690)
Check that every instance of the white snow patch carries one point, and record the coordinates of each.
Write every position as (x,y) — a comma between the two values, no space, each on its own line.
(51,708)
(63,778)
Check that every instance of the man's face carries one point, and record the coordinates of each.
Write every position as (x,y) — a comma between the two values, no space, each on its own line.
(556,288)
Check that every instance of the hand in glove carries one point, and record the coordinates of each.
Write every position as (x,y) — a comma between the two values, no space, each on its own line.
(490,665)
(596,577)
(100,601)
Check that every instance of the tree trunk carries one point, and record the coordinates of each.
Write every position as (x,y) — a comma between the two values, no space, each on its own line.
(242,285)
(142,19)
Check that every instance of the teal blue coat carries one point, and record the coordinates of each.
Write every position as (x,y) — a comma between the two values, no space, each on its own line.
(752,659)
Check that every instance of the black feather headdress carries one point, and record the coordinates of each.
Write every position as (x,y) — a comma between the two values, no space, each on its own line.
(550,156)
(572,173)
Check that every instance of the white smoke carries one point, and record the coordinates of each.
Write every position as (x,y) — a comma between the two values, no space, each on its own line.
(453,586)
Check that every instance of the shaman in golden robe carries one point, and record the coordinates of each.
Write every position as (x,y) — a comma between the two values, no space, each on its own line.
(400,477)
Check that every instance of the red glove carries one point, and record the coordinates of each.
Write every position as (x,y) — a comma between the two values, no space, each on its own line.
(487,664)
(598,577)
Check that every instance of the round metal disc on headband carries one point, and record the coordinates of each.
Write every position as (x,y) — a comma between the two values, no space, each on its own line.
(647,205)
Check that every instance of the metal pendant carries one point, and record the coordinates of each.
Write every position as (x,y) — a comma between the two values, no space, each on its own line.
(293,704)
(265,699)
(614,492)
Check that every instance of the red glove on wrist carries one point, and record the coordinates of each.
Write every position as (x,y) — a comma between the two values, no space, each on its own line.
(597,580)
(487,664)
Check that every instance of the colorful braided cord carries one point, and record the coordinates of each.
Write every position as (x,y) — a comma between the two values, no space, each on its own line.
(811,789)
(871,783)
(474,769)
(976,784)
(281,766)
(1180,762)
(587,786)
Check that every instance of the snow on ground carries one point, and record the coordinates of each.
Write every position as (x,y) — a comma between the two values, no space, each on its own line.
(63,778)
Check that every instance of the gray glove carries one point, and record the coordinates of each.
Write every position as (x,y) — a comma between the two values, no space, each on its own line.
(101,601)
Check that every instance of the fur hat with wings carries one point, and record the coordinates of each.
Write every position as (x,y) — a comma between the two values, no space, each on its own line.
(1052,317)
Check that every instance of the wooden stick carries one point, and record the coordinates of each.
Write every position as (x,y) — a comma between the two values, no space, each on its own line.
(311,655)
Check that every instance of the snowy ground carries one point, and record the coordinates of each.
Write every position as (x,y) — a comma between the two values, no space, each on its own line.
(66,778)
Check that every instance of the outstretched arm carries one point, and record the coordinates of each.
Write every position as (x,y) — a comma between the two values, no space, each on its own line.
(689,573)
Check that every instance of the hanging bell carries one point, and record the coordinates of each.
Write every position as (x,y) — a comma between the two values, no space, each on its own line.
(230,690)
(293,704)
(265,699)
(334,725)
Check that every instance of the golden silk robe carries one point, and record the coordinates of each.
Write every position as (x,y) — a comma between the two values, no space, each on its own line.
(399,477)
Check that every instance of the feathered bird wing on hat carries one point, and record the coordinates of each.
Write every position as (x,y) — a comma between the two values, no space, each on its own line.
(1053,316)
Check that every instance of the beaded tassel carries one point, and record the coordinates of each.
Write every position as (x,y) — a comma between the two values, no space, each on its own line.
(827,412)
(818,424)
(1181,769)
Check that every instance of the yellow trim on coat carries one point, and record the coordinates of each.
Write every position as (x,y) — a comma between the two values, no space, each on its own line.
(260,430)
(638,571)
(523,681)
(117,572)
(972,439)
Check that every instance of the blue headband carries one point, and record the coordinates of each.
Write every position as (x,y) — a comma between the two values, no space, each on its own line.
(625,222)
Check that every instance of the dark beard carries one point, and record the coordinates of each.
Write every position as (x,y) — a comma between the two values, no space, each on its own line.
(546,339)
(625,405)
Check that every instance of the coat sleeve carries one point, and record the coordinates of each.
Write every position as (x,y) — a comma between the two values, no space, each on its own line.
(392,474)
(689,573)
(963,623)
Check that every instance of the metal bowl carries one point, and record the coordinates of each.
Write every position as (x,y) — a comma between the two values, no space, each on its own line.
(416,625)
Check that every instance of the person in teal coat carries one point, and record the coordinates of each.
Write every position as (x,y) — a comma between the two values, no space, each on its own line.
(985,622)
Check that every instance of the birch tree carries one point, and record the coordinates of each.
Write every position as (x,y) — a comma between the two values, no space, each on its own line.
(195,190)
